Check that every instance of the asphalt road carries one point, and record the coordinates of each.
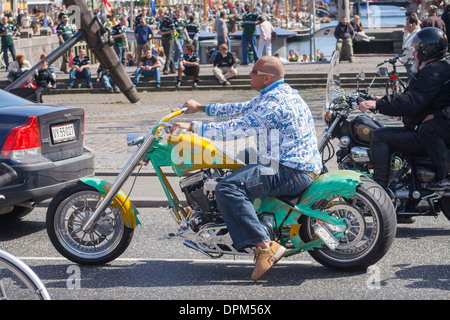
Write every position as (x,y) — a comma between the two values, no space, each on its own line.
(157,268)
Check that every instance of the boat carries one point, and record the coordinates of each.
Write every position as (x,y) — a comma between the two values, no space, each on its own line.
(323,9)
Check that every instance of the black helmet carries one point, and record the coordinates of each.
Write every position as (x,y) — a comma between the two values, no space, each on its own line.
(430,43)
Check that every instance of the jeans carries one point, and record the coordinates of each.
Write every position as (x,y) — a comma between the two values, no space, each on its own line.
(177,51)
(85,74)
(235,193)
(107,82)
(148,73)
(167,45)
(246,40)
(38,93)
(11,49)
(121,53)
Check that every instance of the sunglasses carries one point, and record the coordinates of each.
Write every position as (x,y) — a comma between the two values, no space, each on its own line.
(260,73)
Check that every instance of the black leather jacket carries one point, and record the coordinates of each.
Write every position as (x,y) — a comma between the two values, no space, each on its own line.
(428,92)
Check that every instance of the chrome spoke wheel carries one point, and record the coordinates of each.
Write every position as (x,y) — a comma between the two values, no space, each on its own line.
(103,237)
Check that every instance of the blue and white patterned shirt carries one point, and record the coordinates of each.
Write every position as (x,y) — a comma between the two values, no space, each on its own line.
(280,119)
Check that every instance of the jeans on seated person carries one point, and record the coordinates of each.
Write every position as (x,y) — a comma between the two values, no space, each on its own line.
(147,73)
(85,74)
(107,83)
(249,183)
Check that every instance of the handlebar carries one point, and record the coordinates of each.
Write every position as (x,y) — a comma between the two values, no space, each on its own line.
(162,123)
(9,174)
(391,61)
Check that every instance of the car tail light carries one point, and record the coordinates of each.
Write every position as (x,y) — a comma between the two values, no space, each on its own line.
(23,141)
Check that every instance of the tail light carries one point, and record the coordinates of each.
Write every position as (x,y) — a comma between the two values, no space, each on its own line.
(23,141)
(394,77)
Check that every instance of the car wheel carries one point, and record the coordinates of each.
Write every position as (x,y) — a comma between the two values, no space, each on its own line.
(17,213)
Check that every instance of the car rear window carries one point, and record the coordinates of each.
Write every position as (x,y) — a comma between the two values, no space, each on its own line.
(8,99)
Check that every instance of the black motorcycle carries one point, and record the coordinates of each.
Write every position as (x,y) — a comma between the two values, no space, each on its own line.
(408,175)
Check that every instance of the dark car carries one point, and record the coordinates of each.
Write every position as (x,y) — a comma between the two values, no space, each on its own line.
(45,145)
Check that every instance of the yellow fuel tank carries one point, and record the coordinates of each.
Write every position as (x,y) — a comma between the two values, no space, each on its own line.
(190,152)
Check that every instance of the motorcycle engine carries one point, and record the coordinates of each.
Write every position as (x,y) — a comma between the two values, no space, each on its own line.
(199,189)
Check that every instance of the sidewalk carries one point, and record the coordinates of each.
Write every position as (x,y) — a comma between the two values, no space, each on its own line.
(297,73)
(110,117)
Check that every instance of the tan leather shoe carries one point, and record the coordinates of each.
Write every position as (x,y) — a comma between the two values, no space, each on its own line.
(266,258)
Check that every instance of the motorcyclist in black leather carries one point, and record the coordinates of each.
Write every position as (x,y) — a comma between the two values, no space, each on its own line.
(434,135)
(428,93)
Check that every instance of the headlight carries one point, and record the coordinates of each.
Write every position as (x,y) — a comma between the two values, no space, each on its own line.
(328,115)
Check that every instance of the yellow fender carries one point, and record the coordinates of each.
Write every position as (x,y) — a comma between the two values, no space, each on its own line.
(121,201)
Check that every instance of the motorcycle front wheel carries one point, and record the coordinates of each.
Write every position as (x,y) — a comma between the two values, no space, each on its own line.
(372,225)
(66,215)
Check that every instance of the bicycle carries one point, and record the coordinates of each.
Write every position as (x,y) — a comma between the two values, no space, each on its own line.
(394,83)
(17,280)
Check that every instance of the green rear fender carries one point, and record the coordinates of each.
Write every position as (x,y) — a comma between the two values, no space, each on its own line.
(326,186)
(121,201)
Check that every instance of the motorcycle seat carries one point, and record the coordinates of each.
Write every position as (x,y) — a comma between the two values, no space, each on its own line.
(425,160)
(291,200)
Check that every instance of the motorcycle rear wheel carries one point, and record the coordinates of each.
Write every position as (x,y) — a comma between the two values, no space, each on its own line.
(68,212)
(372,227)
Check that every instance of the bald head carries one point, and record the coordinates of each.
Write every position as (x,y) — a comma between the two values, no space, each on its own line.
(271,65)
(266,71)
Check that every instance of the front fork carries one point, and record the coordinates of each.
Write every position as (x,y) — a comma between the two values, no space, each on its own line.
(119,181)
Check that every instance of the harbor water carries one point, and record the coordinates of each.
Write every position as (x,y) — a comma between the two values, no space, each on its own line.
(379,17)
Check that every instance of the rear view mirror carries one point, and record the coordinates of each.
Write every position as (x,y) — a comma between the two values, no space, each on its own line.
(361,76)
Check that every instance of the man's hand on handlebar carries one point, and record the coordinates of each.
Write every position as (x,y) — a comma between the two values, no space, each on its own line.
(193,106)
(187,126)
(365,105)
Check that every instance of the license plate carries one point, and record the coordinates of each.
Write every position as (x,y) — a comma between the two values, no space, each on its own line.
(63,133)
(326,236)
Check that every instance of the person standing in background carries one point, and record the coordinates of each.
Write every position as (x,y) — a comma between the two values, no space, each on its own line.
(7,32)
(193,31)
(265,37)
(411,28)
(143,33)
(446,18)
(65,31)
(221,28)
(167,30)
(433,20)
(249,21)
(119,34)
(180,26)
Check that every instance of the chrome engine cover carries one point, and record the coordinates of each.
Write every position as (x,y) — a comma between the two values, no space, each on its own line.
(360,155)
